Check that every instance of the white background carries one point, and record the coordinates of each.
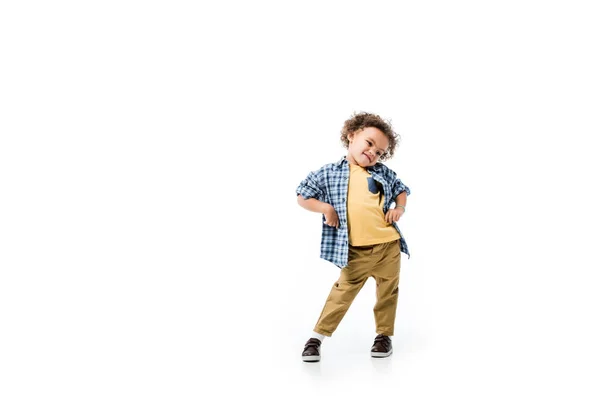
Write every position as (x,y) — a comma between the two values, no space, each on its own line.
(151,244)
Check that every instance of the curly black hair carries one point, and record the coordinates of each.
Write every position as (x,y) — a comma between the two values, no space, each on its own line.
(361,120)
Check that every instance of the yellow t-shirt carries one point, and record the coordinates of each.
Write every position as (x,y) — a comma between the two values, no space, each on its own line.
(366,221)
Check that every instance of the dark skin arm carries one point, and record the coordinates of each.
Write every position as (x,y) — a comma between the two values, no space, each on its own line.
(314,205)
(394,214)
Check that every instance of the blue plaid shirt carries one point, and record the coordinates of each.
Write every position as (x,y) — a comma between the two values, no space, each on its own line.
(329,184)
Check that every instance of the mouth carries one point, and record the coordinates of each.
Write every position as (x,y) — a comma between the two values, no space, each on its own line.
(366,155)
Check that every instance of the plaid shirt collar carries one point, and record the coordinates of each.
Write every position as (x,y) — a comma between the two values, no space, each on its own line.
(373,168)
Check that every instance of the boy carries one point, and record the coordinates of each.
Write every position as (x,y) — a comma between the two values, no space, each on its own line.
(360,234)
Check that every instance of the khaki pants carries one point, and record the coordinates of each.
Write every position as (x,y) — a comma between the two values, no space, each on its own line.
(382,262)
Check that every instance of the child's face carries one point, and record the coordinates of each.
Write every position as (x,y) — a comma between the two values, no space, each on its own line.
(366,146)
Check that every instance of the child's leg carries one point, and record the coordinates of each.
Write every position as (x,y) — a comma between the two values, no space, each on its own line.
(387,277)
(352,279)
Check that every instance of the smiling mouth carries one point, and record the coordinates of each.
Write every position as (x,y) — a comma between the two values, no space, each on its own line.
(368,157)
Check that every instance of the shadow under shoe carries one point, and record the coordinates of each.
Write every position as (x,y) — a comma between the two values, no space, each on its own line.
(382,347)
(311,350)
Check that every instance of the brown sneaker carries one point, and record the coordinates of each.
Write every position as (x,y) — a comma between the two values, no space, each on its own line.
(382,346)
(311,350)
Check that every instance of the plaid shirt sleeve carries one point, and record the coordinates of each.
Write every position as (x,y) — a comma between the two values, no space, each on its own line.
(397,185)
(312,186)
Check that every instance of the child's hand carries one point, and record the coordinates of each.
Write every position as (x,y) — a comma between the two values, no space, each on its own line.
(393,215)
(331,217)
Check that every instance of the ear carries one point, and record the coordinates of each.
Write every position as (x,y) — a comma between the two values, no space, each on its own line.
(352,135)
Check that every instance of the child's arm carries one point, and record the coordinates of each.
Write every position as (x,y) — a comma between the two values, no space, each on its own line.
(401,201)
(314,205)
(401,191)
(394,214)
(311,194)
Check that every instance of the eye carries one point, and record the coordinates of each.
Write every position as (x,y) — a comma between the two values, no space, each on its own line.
(378,154)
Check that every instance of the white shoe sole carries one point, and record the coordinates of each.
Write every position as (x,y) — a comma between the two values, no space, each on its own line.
(311,358)
(381,355)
